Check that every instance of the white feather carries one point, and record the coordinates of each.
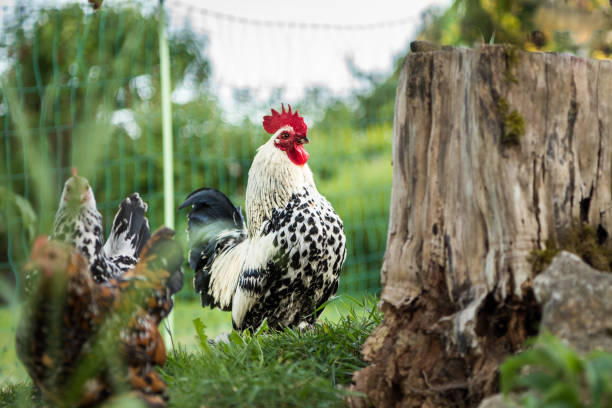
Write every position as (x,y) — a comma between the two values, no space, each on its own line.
(121,244)
(243,301)
(273,179)
(260,251)
(225,272)
(252,253)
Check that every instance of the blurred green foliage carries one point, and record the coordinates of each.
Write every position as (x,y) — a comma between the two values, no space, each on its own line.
(578,26)
(81,87)
(552,374)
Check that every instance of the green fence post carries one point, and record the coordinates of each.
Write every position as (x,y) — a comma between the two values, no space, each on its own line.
(168,165)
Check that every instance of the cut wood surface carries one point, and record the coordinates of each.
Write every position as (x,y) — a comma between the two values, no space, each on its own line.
(495,152)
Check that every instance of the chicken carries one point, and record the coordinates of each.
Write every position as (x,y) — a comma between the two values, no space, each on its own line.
(80,340)
(79,223)
(283,264)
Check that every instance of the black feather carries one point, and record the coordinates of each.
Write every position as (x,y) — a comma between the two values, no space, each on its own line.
(143,236)
(131,219)
(210,205)
(212,213)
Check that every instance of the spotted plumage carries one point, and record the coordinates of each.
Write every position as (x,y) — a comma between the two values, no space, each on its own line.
(79,223)
(305,268)
(282,265)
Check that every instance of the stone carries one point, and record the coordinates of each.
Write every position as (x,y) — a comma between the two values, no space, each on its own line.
(576,303)
(496,401)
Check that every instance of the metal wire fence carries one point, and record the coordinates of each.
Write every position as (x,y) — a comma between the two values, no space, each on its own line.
(82,88)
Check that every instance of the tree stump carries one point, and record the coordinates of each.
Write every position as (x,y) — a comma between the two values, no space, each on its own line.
(495,152)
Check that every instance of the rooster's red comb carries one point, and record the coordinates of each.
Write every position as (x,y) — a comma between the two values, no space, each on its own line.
(277,120)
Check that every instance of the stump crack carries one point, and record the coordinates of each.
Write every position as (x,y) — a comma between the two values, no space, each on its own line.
(572,114)
(600,128)
(536,204)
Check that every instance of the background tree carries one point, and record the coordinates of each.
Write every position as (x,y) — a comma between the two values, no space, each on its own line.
(577,26)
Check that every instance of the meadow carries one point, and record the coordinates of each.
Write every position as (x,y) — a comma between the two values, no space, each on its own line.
(265,368)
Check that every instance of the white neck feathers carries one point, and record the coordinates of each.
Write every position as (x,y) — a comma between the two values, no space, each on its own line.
(273,179)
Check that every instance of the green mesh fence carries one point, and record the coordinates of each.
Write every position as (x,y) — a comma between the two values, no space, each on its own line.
(82,88)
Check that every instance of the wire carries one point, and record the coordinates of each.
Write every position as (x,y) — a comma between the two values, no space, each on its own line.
(292,24)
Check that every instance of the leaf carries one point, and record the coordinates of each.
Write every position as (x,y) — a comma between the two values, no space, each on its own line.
(202,337)
(263,328)
(538,380)
(235,338)
(511,368)
(598,372)
(24,209)
(564,394)
(530,401)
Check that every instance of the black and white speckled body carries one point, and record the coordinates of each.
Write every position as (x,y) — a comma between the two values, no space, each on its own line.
(82,229)
(310,249)
(285,263)
(79,223)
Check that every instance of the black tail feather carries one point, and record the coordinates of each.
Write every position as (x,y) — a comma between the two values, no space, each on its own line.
(130,231)
(212,213)
(143,236)
(210,205)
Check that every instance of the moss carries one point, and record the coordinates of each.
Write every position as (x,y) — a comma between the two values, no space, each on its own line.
(580,238)
(502,106)
(513,124)
(514,128)
(512,60)
(541,258)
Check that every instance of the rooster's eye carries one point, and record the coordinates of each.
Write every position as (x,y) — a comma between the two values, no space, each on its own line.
(285,135)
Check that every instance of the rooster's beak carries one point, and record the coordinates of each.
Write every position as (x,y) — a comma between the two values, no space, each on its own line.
(304,140)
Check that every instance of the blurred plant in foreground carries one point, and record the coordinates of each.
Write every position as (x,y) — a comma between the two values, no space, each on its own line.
(551,374)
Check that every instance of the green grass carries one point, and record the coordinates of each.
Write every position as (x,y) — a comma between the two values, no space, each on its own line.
(289,368)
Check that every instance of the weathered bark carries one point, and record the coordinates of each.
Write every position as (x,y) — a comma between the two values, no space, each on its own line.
(495,152)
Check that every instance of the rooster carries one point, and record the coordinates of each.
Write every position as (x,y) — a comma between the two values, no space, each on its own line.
(79,339)
(284,262)
(79,223)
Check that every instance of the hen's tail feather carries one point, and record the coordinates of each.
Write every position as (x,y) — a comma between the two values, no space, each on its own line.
(130,231)
(214,225)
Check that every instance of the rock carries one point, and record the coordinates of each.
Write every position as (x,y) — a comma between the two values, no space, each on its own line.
(576,303)
(496,401)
